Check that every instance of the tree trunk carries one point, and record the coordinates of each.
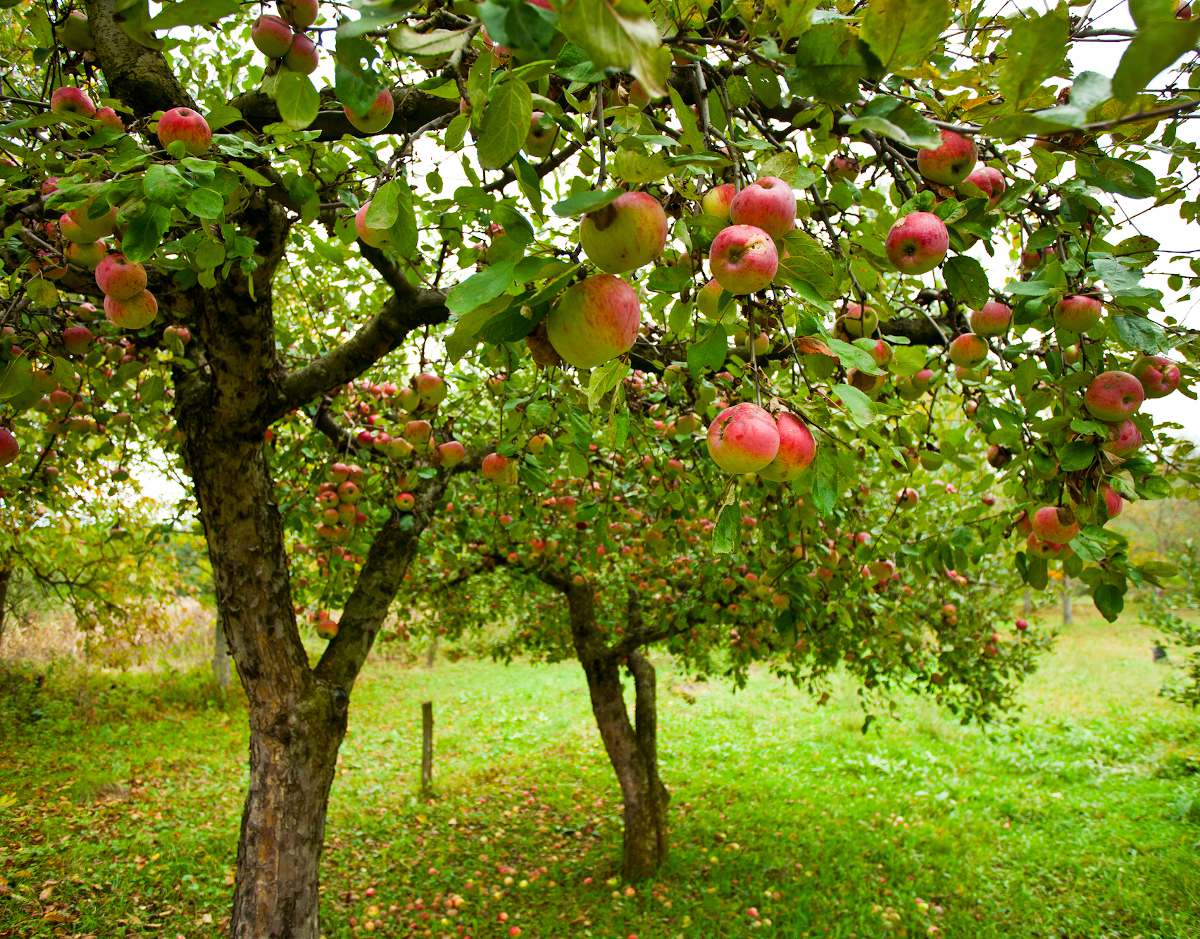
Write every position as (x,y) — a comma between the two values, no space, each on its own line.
(426,749)
(5,577)
(220,657)
(431,652)
(1066,601)
(642,791)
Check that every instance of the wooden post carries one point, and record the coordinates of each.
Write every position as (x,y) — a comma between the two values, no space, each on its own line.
(426,748)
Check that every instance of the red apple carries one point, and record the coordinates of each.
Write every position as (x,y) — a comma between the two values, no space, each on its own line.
(77,339)
(1113,396)
(594,321)
(844,167)
(949,163)
(743,259)
(301,14)
(376,117)
(858,320)
(431,389)
(450,454)
(716,201)
(71,100)
(375,237)
(405,501)
(918,243)
(9,448)
(626,234)
(272,36)
(1113,503)
(986,181)
(1159,375)
(119,278)
(992,319)
(797,449)
(743,439)
(498,469)
(302,57)
(132,313)
(767,203)
(968,350)
(1046,549)
(1055,524)
(1078,313)
(188,126)
(109,118)
(1123,439)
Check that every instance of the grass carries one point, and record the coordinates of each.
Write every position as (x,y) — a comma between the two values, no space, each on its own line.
(120,799)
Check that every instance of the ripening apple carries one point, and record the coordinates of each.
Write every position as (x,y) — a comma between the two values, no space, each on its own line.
(708,299)
(498,469)
(431,388)
(743,439)
(918,243)
(272,36)
(992,319)
(71,100)
(1158,374)
(376,117)
(858,320)
(907,497)
(375,237)
(188,126)
(843,167)
(1123,439)
(1072,354)
(1053,523)
(109,118)
(1046,549)
(1078,313)
(405,501)
(998,457)
(543,132)
(86,255)
(1113,396)
(797,449)
(767,203)
(594,321)
(986,181)
(303,56)
(119,278)
(968,350)
(1113,502)
(881,352)
(743,259)
(716,201)
(77,339)
(132,312)
(951,161)
(450,454)
(418,432)
(301,14)
(626,234)
(9,448)
(77,227)
(75,32)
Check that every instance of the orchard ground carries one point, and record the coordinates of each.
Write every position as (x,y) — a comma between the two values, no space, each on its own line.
(120,796)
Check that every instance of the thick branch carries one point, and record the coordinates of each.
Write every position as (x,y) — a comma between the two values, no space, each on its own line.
(137,75)
(414,109)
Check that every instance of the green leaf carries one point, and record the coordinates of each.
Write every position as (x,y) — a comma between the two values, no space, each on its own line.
(967,280)
(297,99)
(824,482)
(851,356)
(1036,49)
(1123,177)
(436,42)
(604,379)
(144,232)
(1076,456)
(830,61)
(808,262)
(1140,333)
(16,378)
(634,167)
(709,353)
(1160,40)
(481,287)
(858,405)
(583,202)
(892,118)
(1109,600)
(206,203)
(164,183)
(619,34)
(193,13)
(506,120)
(385,206)
(902,32)
(725,533)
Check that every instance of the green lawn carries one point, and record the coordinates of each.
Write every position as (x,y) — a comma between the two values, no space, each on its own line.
(120,799)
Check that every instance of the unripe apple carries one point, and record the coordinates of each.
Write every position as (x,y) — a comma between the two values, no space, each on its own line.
(450,454)
(375,237)
(626,234)
(1113,503)
(767,203)
(301,14)
(376,117)
(858,320)
(75,33)
(1032,259)
(1158,374)
(708,299)
(80,227)
(119,278)
(844,167)
(985,181)
(743,439)
(1072,354)
(797,449)
(9,448)
(538,442)
(881,352)
(1123,439)
(498,469)
(716,201)
(992,319)
(71,100)
(132,313)
(109,118)
(1078,313)
(1113,396)
(594,321)
(272,36)
(77,339)
(405,501)
(918,243)
(302,57)
(951,161)
(543,133)
(188,126)
(968,350)
(407,399)
(1055,524)
(86,255)
(743,259)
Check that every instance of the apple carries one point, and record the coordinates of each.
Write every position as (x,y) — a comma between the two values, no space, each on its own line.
(708,299)
(376,117)
(1113,396)
(302,57)
(743,439)
(77,339)
(950,162)
(119,278)
(75,32)
(301,14)
(77,227)
(1072,354)
(543,133)
(405,501)
(1113,503)
(498,469)
(844,167)
(626,234)
(716,201)
(998,457)
(418,432)
(9,448)
(858,320)
(1078,313)
(986,181)
(272,36)
(188,126)
(1123,439)
(431,389)
(881,352)
(1046,549)
(868,384)
(86,255)
(743,259)
(797,449)
(918,243)
(968,350)
(109,118)
(450,454)
(375,237)
(71,100)
(767,203)
(132,313)
(1055,524)
(1031,259)
(1159,375)
(594,321)
(992,319)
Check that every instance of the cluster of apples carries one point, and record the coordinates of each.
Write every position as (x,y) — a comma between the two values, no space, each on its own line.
(282,37)
(74,101)
(421,395)
(746,438)
(337,502)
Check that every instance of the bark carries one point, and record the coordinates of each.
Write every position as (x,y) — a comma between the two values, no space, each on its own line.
(5,578)
(1066,602)
(426,749)
(633,756)
(220,658)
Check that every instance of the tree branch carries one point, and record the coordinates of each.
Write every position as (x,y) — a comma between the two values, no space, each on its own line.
(137,75)
(414,109)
